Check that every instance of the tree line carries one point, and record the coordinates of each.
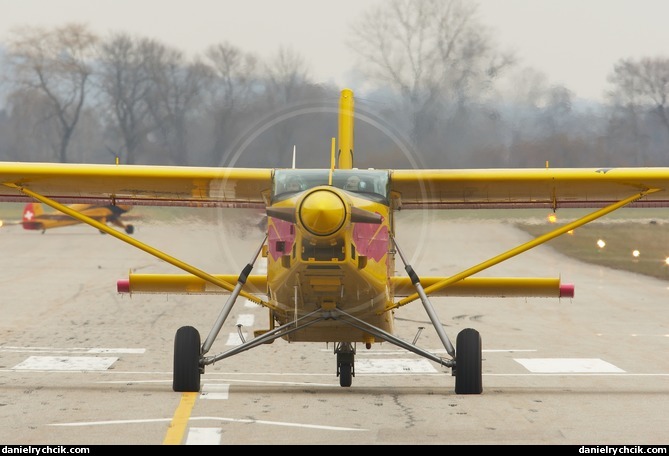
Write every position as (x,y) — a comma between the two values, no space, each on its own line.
(432,94)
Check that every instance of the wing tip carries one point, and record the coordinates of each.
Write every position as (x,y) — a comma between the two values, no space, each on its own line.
(567,290)
(123,285)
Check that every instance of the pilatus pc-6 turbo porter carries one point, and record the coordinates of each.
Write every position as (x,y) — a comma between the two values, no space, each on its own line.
(330,243)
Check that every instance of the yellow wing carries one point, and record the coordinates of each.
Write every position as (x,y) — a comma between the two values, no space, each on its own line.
(542,187)
(250,187)
(136,184)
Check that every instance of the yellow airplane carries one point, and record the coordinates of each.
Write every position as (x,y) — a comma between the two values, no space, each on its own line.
(36,218)
(330,243)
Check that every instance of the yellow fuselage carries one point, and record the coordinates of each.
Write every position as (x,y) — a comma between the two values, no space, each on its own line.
(326,261)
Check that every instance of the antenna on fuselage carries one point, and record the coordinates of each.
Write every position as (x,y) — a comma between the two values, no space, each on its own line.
(294,147)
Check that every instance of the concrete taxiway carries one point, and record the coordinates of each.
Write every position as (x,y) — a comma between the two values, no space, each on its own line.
(82,365)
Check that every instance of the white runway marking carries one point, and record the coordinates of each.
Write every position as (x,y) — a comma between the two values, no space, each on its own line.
(66,363)
(434,351)
(275,423)
(133,351)
(564,365)
(13,349)
(245,320)
(234,339)
(203,436)
(269,382)
(211,418)
(215,391)
(389,366)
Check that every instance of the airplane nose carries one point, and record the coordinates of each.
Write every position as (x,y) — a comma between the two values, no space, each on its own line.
(322,213)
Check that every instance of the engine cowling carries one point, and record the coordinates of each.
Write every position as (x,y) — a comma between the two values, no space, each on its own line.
(323,213)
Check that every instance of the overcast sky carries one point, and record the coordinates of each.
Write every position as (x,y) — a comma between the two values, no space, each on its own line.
(573,42)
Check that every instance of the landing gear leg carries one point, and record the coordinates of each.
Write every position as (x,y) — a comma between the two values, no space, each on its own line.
(468,359)
(189,353)
(345,363)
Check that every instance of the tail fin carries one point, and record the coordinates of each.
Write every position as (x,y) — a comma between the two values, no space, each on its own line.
(30,212)
(346,129)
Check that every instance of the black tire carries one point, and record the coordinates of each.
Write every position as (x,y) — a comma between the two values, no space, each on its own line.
(468,363)
(186,360)
(345,375)
(129,229)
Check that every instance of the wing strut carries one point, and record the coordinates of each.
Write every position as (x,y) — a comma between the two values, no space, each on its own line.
(281,331)
(429,308)
(521,248)
(134,242)
(231,300)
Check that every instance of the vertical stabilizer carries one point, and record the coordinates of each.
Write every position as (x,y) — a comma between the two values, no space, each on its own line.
(30,212)
(346,129)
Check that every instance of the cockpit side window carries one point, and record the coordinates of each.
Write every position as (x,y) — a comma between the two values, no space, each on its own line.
(366,183)
(294,184)
(352,184)
(372,184)
(287,182)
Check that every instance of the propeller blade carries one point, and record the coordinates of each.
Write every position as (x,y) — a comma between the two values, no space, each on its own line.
(362,216)
(282,213)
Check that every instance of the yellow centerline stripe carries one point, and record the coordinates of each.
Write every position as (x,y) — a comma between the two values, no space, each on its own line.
(179,423)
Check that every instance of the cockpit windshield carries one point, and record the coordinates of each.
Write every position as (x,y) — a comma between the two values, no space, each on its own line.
(367,183)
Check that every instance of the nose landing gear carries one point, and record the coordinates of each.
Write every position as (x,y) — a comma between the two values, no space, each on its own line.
(345,352)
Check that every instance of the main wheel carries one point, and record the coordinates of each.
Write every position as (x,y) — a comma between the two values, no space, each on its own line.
(468,363)
(129,229)
(186,376)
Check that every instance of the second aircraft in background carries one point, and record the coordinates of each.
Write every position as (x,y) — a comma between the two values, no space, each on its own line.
(36,218)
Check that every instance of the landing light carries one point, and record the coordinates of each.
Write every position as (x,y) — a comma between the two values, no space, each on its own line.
(636,254)
(601,243)
(666,261)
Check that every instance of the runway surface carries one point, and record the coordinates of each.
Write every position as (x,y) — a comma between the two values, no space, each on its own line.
(81,364)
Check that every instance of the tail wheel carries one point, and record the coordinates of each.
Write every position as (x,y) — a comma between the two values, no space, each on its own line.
(468,363)
(186,360)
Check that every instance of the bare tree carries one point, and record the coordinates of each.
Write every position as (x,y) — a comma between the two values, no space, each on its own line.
(286,78)
(233,88)
(434,53)
(641,88)
(643,83)
(287,75)
(177,86)
(124,85)
(56,63)
(29,132)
